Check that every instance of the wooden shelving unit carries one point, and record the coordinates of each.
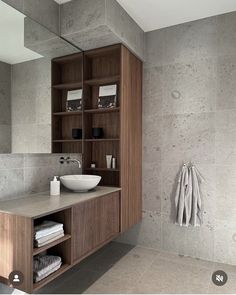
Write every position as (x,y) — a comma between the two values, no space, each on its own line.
(60,247)
(67,74)
(122,125)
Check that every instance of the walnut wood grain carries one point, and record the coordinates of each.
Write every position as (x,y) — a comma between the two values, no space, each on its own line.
(16,248)
(94,222)
(131,139)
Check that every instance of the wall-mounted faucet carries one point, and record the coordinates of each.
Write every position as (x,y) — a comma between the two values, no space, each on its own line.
(68,160)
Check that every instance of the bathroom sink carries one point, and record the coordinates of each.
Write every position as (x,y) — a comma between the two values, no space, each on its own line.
(80,183)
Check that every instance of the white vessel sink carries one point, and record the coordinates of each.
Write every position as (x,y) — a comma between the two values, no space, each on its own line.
(80,183)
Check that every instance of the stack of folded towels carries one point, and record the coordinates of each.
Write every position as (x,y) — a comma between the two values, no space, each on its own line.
(47,232)
(44,265)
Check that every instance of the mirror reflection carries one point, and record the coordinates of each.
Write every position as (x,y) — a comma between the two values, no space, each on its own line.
(25,82)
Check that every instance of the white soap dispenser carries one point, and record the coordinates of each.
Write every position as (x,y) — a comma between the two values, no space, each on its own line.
(55,187)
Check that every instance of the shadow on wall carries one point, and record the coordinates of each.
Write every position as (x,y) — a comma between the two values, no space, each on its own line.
(172,197)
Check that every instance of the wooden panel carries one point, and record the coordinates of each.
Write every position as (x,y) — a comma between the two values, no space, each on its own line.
(131,139)
(104,62)
(94,222)
(72,72)
(16,248)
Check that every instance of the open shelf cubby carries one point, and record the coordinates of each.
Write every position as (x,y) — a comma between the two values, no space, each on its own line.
(60,247)
(88,70)
(67,74)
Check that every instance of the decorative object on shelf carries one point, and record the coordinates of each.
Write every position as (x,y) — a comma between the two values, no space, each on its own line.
(113,163)
(107,96)
(93,165)
(108,159)
(77,133)
(74,100)
(97,132)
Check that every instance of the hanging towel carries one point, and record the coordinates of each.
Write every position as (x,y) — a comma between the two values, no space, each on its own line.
(196,216)
(188,198)
(180,196)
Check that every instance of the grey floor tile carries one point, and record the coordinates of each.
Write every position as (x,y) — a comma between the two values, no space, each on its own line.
(186,260)
(120,268)
(133,265)
(110,285)
(166,276)
(106,257)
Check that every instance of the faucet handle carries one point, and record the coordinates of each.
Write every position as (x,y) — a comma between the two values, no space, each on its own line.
(62,160)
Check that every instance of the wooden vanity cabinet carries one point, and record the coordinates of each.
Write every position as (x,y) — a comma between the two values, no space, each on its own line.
(95,223)
(88,225)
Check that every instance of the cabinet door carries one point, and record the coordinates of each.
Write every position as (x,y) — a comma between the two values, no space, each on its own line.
(95,222)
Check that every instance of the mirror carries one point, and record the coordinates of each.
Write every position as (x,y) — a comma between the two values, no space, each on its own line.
(26,51)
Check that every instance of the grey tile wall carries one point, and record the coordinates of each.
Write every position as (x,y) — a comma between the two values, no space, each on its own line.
(5,108)
(189,109)
(31,173)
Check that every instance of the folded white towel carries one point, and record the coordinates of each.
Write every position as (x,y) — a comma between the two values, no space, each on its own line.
(42,264)
(39,278)
(41,244)
(46,228)
(49,237)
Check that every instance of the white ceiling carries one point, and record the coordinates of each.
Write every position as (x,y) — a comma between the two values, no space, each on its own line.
(12,48)
(155,14)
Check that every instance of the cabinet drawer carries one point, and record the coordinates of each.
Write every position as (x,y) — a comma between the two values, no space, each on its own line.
(95,222)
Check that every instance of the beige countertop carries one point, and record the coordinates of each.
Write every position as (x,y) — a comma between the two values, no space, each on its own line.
(42,204)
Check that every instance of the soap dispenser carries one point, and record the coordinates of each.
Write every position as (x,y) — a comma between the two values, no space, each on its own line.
(55,187)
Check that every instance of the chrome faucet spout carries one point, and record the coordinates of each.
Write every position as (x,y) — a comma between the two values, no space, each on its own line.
(68,160)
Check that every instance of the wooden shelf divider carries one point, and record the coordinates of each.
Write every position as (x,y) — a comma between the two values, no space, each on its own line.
(68,86)
(36,251)
(67,140)
(103,169)
(77,113)
(103,81)
(101,139)
(101,111)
